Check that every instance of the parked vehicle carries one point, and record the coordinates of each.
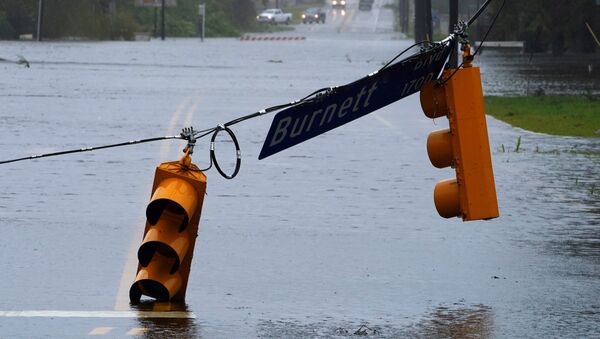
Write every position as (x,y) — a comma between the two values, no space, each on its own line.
(338,4)
(274,16)
(313,14)
(365,5)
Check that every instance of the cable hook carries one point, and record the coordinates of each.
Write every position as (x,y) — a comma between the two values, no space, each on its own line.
(188,133)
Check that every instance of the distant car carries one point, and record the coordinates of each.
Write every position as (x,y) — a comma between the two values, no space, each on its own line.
(365,5)
(313,14)
(274,16)
(338,4)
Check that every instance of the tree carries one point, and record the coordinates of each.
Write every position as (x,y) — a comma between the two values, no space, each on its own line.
(17,17)
(558,26)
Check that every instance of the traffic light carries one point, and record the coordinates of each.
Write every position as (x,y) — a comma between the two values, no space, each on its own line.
(464,146)
(172,218)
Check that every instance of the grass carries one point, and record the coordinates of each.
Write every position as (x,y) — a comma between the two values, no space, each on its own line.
(557,114)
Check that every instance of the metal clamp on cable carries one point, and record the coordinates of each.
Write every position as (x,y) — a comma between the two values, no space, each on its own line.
(213,158)
(188,133)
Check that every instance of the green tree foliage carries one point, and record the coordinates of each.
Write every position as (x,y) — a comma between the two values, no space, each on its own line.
(17,17)
(557,26)
(120,19)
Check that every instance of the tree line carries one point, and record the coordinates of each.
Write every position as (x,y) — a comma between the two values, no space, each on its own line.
(120,19)
(556,26)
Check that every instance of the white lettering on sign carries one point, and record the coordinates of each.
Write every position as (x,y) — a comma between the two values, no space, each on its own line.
(416,84)
(304,123)
(429,60)
(281,130)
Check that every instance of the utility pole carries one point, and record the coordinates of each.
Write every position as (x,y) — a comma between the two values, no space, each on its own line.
(423,29)
(162,20)
(202,13)
(403,11)
(40,20)
(451,26)
(155,32)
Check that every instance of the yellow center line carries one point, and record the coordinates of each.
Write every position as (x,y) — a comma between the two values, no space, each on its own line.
(383,120)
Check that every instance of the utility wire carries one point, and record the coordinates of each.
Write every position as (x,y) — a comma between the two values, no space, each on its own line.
(491,24)
(88,149)
(482,40)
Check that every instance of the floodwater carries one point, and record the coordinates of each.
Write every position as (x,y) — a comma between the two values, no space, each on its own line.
(336,237)
(515,73)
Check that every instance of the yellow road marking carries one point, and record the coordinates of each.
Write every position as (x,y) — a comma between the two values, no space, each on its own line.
(383,121)
(100,330)
(165,147)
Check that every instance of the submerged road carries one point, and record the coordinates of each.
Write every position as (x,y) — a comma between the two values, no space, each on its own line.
(334,237)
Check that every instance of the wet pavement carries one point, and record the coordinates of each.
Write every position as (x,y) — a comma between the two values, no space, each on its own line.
(336,237)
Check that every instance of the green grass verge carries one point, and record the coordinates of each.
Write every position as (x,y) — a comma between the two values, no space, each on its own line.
(557,115)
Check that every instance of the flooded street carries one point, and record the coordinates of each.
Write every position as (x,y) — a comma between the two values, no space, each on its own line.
(516,73)
(335,237)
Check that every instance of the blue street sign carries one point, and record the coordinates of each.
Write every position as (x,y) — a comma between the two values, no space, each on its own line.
(352,101)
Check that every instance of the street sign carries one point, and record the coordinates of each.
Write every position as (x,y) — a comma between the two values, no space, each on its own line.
(202,10)
(155,3)
(352,101)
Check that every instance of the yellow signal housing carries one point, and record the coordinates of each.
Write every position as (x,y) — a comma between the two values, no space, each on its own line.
(172,219)
(464,146)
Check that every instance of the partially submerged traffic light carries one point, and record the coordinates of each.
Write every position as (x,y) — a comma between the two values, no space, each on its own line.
(464,146)
(173,215)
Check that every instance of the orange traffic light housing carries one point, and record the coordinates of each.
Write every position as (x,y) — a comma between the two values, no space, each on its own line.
(464,146)
(172,219)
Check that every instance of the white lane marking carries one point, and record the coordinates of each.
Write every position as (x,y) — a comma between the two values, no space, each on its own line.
(96,314)
(101,330)
(384,121)
(137,331)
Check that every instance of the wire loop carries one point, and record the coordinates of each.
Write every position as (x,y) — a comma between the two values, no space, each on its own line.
(213,158)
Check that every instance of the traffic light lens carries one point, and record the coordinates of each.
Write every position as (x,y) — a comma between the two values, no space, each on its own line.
(174,195)
(163,206)
(446,198)
(433,100)
(156,280)
(165,239)
(439,148)
(153,289)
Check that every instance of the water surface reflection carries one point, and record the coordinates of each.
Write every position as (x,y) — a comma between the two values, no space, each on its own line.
(176,327)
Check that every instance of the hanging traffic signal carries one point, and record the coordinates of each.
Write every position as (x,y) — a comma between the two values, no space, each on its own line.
(464,146)
(172,218)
